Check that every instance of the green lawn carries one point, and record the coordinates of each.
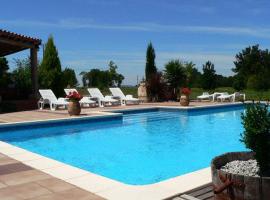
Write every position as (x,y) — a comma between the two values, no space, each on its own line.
(250,94)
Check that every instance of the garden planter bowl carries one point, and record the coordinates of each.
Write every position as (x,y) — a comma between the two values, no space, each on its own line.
(229,186)
(74,108)
(184,100)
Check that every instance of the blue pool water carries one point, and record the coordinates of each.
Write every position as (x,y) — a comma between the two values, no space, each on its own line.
(140,148)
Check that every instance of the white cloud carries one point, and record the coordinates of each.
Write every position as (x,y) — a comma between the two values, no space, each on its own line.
(76,23)
(131,64)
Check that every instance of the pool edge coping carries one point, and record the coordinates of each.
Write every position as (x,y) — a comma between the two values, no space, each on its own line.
(103,186)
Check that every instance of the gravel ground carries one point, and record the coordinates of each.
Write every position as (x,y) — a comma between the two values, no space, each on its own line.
(246,168)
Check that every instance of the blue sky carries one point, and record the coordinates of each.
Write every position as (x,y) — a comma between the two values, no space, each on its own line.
(90,33)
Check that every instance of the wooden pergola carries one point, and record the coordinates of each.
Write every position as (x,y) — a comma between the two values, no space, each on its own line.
(12,43)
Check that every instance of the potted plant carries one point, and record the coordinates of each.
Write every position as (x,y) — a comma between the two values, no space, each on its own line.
(184,99)
(245,175)
(74,107)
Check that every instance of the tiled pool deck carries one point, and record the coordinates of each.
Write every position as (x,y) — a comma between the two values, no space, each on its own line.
(19,181)
(36,177)
(59,114)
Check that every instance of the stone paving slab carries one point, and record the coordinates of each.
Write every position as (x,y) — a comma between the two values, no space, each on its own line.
(21,182)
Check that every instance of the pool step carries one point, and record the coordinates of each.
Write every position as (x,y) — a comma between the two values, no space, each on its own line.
(135,118)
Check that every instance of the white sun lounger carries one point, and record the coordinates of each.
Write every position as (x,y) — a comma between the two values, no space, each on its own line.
(239,95)
(125,99)
(48,97)
(205,96)
(84,100)
(225,96)
(102,101)
(231,97)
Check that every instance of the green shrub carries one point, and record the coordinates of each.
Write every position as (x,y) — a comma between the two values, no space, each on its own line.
(256,135)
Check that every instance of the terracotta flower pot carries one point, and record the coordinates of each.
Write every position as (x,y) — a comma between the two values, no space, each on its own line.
(74,108)
(184,100)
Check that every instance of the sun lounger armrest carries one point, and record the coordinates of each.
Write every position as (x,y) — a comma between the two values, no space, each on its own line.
(129,96)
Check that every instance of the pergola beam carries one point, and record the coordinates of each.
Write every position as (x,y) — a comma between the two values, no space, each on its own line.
(16,43)
(12,43)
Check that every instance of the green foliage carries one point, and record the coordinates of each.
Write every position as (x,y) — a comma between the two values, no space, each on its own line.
(253,82)
(50,75)
(157,88)
(222,81)
(150,66)
(252,66)
(69,78)
(238,83)
(21,77)
(192,74)
(4,75)
(209,76)
(116,79)
(175,75)
(102,78)
(256,135)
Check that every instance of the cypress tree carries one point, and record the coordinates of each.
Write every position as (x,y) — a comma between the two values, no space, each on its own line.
(50,74)
(150,67)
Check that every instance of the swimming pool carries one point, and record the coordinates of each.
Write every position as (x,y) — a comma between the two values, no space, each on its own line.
(141,147)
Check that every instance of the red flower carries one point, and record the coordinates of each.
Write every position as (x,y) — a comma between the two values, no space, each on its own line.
(74,96)
(186,91)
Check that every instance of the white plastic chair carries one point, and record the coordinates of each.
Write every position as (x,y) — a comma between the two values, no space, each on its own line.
(125,99)
(102,101)
(48,97)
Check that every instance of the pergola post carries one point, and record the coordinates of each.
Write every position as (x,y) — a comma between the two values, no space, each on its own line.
(34,71)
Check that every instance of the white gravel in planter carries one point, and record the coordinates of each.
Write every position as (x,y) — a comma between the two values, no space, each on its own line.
(245,168)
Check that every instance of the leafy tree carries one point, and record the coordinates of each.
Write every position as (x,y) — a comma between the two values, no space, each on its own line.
(175,75)
(252,68)
(69,78)
(116,79)
(209,76)
(256,136)
(102,78)
(150,66)
(4,75)
(21,78)
(50,74)
(238,83)
(192,74)
(223,81)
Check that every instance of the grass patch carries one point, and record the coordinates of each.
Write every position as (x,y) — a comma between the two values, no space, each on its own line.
(250,94)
